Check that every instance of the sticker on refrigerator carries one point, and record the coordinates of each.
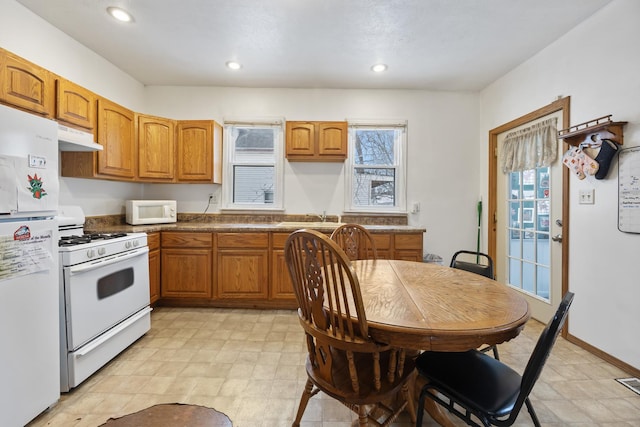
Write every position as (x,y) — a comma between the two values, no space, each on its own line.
(25,252)
(36,186)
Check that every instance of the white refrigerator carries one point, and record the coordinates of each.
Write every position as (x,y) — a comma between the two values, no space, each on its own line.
(29,308)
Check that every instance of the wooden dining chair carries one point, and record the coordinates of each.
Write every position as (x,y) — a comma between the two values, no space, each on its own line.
(479,263)
(474,386)
(343,361)
(355,241)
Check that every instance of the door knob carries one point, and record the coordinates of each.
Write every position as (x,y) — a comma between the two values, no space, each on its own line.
(557,238)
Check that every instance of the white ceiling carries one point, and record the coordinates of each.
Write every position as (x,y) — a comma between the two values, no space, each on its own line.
(458,45)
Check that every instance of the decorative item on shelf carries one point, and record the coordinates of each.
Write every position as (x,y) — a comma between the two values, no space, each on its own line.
(593,146)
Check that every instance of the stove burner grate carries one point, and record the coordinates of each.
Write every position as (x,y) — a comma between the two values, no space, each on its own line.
(87,238)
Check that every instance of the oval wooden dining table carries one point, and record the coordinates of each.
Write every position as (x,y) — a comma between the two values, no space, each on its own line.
(423,306)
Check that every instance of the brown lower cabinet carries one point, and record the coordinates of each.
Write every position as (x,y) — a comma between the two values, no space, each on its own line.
(243,269)
(281,287)
(153,241)
(407,247)
(242,264)
(186,265)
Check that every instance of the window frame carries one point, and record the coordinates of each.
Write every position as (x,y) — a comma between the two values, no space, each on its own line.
(230,162)
(400,167)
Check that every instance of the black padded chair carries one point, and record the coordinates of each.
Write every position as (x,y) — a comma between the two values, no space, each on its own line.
(485,388)
(479,263)
(475,262)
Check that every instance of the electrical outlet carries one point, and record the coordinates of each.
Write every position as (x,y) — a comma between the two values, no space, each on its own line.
(213,198)
(586,197)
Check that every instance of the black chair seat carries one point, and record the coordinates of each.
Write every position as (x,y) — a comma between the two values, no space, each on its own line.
(465,376)
(481,390)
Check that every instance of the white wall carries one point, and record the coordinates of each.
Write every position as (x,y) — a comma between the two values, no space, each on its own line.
(596,65)
(442,163)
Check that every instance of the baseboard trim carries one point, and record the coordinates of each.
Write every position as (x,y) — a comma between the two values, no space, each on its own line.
(634,372)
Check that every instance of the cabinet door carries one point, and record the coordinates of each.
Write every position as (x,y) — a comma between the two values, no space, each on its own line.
(186,273)
(383,245)
(408,247)
(155,148)
(332,140)
(25,85)
(281,286)
(242,273)
(242,264)
(195,151)
(153,241)
(75,105)
(300,141)
(116,134)
(154,276)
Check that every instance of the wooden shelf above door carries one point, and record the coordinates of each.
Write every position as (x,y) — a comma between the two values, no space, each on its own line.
(574,135)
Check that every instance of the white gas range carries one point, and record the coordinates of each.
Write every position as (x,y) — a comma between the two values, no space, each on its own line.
(104,295)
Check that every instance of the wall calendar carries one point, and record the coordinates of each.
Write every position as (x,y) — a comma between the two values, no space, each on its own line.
(629,190)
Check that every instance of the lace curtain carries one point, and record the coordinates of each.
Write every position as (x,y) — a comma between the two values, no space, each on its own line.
(531,147)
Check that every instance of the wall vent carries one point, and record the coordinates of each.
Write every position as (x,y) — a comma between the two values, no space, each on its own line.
(631,383)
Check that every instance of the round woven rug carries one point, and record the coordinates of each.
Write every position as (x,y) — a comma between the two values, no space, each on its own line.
(172,415)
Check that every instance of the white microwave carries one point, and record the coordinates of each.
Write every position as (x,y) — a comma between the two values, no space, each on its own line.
(150,211)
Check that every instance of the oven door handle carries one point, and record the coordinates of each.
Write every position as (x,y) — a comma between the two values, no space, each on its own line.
(82,268)
(83,351)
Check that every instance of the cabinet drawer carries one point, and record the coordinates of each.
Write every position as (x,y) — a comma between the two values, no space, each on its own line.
(153,241)
(186,240)
(408,241)
(243,240)
(279,239)
(382,241)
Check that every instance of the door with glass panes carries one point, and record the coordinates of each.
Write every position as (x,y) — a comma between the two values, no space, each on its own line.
(529,228)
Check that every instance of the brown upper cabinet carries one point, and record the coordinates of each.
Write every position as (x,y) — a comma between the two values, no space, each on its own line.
(199,151)
(156,148)
(25,85)
(116,133)
(136,147)
(75,105)
(316,141)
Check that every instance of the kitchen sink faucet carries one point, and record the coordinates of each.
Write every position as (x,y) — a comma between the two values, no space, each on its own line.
(322,217)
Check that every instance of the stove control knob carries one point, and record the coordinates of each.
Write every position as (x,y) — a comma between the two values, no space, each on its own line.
(102,251)
(91,253)
(136,243)
(127,245)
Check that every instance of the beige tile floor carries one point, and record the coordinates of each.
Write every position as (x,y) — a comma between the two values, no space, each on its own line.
(249,364)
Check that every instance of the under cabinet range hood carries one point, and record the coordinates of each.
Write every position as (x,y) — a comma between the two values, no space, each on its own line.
(70,139)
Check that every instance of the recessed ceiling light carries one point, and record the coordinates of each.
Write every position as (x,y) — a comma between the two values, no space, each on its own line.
(234,65)
(120,14)
(378,68)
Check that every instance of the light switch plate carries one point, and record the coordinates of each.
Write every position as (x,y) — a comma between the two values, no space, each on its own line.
(586,197)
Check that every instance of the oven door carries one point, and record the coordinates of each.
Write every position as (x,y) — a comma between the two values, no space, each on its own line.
(101,293)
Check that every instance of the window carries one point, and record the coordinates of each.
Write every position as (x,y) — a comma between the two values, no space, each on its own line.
(375,180)
(253,177)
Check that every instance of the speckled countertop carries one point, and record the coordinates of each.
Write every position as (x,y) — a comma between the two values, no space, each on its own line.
(248,223)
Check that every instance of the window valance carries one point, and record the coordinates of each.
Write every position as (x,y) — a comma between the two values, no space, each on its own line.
(531,147)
